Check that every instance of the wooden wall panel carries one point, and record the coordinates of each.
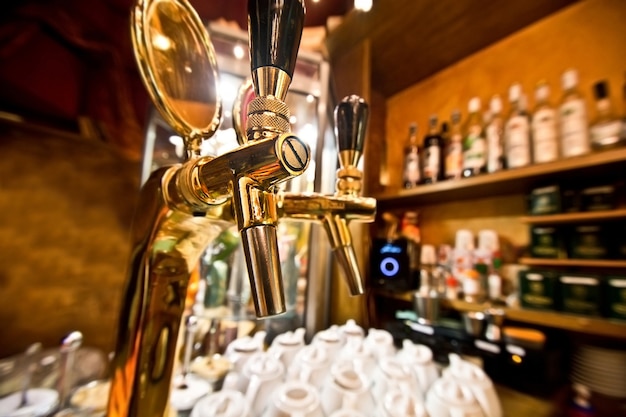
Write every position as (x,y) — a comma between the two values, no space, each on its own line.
(67,205)
(439,223)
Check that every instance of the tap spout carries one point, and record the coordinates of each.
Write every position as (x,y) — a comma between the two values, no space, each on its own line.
(334,213)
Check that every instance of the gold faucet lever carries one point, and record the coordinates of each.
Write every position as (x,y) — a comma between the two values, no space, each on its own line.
(335,212)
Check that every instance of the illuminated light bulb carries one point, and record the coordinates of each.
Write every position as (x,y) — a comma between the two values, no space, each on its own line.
(363,5)
(238,51)
(310,98)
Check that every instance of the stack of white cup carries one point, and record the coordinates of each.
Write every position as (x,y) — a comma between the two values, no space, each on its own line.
(347,372)
(344,372)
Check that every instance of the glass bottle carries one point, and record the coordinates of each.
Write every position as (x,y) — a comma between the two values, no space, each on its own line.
(494,280)
(573,117)
(412,167)
(410,228)
(605,129)
(433,153)
(623,135)
(445,137)
(544,126)
(474,144)
(495,136)
(517,130)
(454,148)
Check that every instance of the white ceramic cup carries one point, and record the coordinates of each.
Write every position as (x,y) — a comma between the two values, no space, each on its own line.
(311,365)
(393,374)
(449,398)
(478,382)
(420,359)
(286,346)
(356,352)
(240,350)
(402,403)
(331,339)
(348,389)
(351,330)
(380,342)
(187,392)
(224,403)
(261,375)
(346,412)
(295,399)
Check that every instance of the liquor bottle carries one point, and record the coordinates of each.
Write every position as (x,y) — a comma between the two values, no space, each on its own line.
(445,136)
(517,130)
(623,135)
(474,144)
(412,166)
(495,136)
(544,126)
(454,148)
(606,128)
(433,153)
(573,117)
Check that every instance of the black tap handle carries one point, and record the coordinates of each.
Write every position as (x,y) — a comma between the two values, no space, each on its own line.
(275,29)
(350,124)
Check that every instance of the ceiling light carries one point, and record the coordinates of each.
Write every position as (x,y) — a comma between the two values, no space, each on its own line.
(363,5)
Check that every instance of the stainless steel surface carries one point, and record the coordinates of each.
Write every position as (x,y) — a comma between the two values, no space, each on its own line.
(474,322)
(69,346)
(426,308)
(495,319)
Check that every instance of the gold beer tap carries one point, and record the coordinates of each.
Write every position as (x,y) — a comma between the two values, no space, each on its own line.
(335,212)
(183,208)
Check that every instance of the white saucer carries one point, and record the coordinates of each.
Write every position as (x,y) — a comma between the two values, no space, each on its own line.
(40,401)
(185,398)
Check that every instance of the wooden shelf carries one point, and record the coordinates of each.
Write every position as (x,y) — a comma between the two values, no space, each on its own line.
(514,181)
(576,217)
(589,325)
(591,263)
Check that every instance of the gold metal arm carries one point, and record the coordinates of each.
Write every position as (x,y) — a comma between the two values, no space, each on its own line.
(183,208)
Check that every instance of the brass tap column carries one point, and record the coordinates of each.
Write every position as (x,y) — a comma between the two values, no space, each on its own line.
(183,208)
